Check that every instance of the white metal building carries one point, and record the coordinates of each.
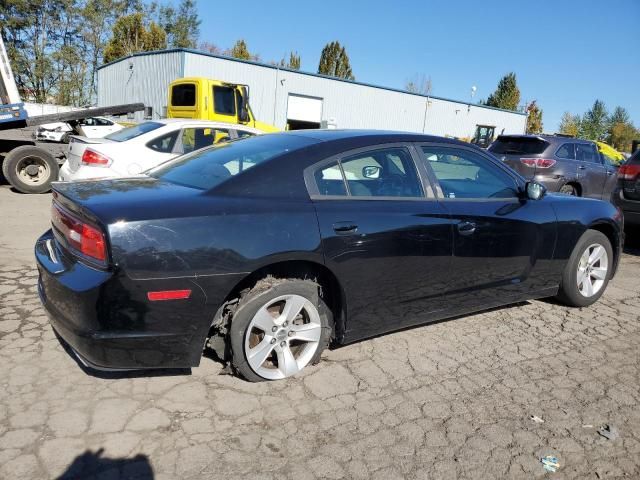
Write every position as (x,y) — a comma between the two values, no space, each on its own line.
(281,96)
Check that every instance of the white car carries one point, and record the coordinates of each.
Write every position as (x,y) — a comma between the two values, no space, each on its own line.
(136,149)
(93,127)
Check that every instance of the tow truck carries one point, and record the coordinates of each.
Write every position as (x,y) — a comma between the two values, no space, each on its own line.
(27,164)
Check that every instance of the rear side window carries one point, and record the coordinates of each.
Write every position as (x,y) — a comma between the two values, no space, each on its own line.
(567,151)
(224,100)
(164,143)
(183,95)
(518,146)
(388,172)
(634,159)
(133,132)
(209,167)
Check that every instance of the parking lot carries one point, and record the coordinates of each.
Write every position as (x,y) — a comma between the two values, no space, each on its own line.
(453,399)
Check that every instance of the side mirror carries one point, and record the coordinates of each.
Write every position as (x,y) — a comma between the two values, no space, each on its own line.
(371,172)
(243,113)
(535,191)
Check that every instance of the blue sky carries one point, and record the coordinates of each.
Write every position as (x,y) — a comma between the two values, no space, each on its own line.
(565,53)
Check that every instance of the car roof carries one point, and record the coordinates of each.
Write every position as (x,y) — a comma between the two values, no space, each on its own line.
(548,138)
(211,123)
(327,135)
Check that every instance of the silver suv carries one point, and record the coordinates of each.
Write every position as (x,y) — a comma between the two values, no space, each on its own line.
(562,164)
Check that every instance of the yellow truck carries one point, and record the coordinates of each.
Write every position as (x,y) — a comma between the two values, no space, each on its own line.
(206,99)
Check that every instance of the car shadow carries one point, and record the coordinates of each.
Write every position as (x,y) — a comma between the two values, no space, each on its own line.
(632,241)
(94,465)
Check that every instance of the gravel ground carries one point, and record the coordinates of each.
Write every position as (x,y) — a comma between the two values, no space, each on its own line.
(453,399)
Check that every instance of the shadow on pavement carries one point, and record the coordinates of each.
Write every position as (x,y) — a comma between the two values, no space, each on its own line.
(93,464)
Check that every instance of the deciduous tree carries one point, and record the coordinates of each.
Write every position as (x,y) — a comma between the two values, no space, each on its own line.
(131,36)
(534,118)
(570,124)
(420,83)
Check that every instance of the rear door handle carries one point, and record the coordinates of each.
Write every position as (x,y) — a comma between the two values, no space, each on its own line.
(582,167)
(466,228)
(345,227)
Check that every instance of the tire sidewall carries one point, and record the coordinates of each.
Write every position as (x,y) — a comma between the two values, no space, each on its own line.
(17,154)
(256,298)
(569,290)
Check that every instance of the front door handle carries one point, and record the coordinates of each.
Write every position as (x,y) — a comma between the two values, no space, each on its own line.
(582,167)
(345,228)
(609,172)
(466,228)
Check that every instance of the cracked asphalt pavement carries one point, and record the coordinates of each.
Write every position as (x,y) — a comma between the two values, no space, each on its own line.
(452,399)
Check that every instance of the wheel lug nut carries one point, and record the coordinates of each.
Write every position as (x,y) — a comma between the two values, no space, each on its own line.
(291,333)
(273,340)
(274,328)
(285,323)
(282,344)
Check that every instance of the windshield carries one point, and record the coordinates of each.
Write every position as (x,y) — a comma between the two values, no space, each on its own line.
(209,167)
(518,146)
(133,132)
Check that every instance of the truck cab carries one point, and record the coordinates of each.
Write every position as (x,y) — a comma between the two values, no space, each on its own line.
(206,99)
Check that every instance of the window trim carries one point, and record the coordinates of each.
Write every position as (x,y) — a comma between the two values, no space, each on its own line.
(314,193)
(517,179)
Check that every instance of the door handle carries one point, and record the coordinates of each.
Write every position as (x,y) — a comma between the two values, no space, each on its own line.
(609,172)
(466,228)
(345,227)
(582,167)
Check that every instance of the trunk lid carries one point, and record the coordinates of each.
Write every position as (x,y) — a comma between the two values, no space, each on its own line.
(77,146)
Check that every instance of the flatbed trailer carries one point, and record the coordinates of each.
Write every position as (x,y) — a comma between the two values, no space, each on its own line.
(27,164)
(30,165)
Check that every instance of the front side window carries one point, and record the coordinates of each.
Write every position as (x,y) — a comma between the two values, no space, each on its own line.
(195,138)
(386,172)
(466,174)
(183,95)
(586,153)
(224,100)
(566,151)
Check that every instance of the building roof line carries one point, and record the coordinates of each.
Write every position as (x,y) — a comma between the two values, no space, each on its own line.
(300,72)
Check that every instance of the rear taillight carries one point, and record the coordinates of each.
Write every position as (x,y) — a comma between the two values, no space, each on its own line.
(95,159)
(538,162)
(80,236)
(628,172)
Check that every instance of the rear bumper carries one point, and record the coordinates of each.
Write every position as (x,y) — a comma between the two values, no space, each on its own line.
(107,321)
(630,208)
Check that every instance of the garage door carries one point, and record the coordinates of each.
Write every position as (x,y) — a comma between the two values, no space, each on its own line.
(304,112)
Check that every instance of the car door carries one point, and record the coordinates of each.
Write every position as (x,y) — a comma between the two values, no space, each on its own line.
(611,180)
(384,235)
(502,244)
(592,173)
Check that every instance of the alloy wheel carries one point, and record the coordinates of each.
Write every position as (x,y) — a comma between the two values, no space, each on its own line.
(592,270)
(283,337)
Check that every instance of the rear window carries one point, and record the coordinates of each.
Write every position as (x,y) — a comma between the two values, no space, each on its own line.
(210,167)
(518,146)
(183,95)
(133,132)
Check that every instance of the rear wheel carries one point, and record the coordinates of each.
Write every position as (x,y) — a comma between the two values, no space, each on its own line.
(588,270)
(569,190)
(30,169)
(279,327)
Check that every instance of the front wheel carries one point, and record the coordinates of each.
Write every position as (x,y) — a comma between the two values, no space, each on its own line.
(569,190)
(588,270)
(279,327)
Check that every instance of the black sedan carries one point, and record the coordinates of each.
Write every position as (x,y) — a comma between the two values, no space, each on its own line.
(271,248)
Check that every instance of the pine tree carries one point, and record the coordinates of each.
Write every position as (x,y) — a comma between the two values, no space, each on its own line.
(240,50)
(334,62)
(507,95)
(595,122)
